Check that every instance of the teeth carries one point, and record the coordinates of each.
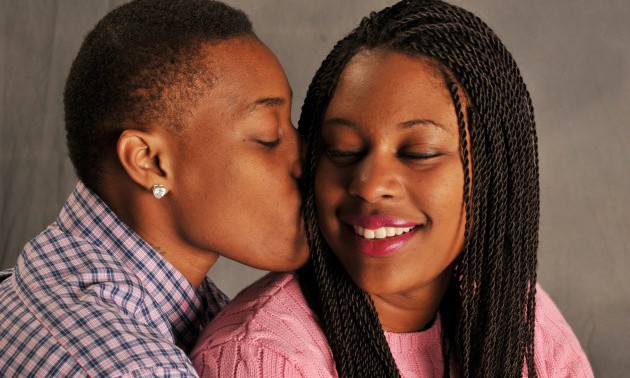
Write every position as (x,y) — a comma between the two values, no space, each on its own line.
(382,232)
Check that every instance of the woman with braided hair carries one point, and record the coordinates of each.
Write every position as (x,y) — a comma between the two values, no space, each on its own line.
(421,207)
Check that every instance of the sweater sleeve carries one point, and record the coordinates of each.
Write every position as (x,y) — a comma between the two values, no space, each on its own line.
(558,353)
(250,359)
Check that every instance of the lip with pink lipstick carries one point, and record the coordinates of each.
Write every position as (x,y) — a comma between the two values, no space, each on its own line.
(379,235)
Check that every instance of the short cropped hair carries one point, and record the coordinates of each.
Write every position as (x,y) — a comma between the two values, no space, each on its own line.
(142,64)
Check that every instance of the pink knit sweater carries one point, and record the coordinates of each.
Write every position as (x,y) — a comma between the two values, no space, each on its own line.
(268,330)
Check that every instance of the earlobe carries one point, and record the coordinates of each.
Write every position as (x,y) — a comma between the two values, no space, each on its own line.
(144,158)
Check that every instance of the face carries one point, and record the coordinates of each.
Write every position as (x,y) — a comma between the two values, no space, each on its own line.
(236,163)
(389,184)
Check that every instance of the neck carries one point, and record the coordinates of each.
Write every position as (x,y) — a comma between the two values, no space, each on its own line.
(414,310)
(192,264)
(153,222)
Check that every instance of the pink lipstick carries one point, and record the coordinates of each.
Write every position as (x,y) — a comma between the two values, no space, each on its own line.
(379,235)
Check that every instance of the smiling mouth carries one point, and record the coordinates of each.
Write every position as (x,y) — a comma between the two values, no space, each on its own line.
(381,232)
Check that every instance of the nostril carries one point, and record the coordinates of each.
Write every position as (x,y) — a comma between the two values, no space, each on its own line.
(372,190)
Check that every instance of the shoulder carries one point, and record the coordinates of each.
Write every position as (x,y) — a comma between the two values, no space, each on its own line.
(267,326)
(557,351)
(273,302)
(70,273)
(90,311)
(65,253)
(26,346)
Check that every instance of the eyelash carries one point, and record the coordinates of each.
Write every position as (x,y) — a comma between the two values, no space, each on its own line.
(413,156)
(272,144)
(353,154)
(342,154)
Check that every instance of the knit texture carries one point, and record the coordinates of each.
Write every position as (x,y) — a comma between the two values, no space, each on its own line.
(268,330)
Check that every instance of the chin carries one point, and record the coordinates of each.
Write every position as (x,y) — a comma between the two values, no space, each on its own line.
(290,264)
(276,263)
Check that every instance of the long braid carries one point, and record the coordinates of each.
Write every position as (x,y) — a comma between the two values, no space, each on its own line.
(488,310)
(337,295)
(454,90)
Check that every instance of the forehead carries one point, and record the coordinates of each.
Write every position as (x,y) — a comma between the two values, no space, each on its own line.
(385,87)
(244,71)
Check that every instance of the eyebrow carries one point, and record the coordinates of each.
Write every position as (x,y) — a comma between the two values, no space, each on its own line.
(268,102)
(339,121)
(426,122)
(407,124)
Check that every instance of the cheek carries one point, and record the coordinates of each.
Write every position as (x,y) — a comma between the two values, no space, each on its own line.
(213,178)
(206,189)
(445,189)
(322,196)
(329,185)
(439,194)
(447,211)
(328,194)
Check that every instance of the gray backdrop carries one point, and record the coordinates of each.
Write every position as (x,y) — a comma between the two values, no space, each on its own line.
(574,55)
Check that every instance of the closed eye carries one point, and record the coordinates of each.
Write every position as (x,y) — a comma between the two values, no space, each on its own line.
(344,157)
(419,156)
(341,153)
(269,144)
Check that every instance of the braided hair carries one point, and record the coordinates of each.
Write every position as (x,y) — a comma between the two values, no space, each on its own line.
(487,312)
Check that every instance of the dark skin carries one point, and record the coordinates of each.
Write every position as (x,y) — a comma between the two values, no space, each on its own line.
(231,173)
(391,148)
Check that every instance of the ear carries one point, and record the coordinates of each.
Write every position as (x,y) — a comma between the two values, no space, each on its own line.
(144,156)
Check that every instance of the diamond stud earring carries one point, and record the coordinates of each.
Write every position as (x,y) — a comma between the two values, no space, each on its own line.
(158,191)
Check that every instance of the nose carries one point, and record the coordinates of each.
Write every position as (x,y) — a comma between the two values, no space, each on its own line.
(296,153)
(375,179)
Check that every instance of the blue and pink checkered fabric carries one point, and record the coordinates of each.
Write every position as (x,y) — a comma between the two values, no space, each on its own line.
(88,297)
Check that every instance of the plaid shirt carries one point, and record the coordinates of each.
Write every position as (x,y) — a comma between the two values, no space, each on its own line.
(88,297)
